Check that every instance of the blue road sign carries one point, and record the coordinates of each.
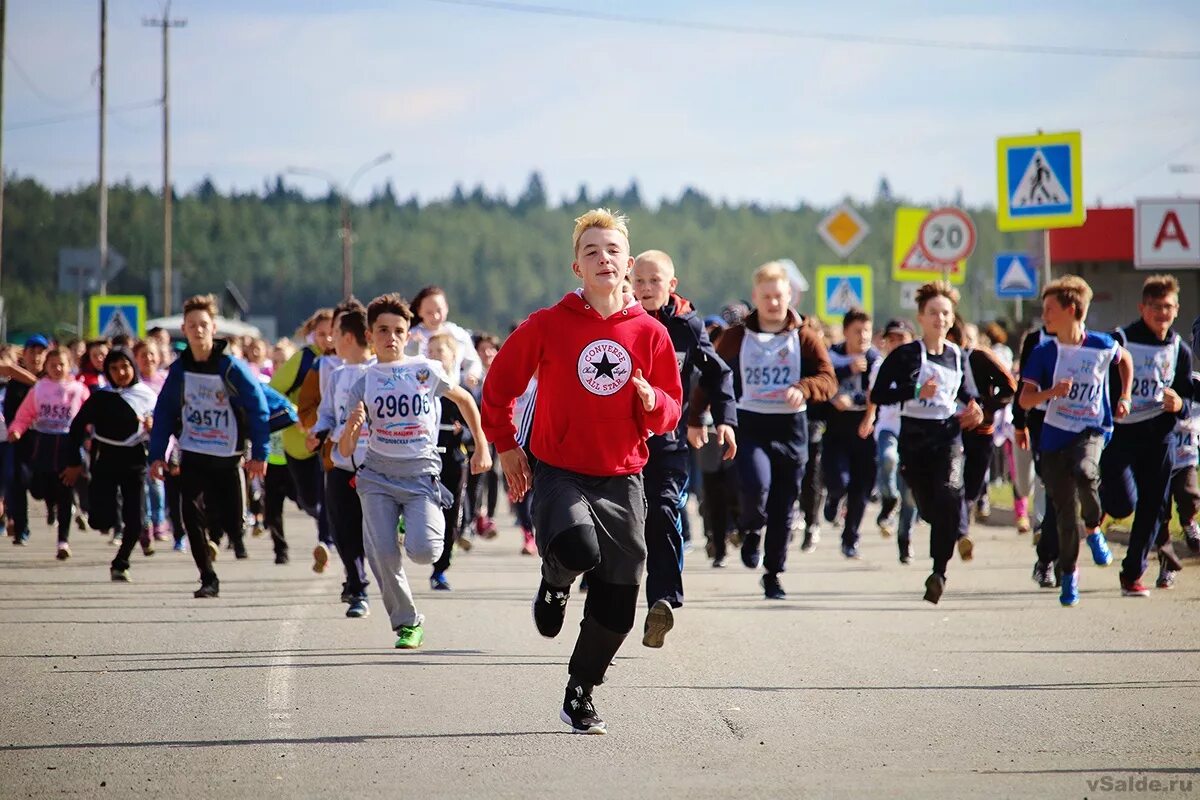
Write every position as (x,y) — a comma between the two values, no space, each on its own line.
(1015,276)
(1040,182)
(114,315)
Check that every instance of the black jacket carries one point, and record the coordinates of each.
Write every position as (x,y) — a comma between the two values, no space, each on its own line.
(698,360)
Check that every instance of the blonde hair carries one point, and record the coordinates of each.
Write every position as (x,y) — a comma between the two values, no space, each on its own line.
(1070,290)
(771,271)
(600,218)
(656,257)
(446,341)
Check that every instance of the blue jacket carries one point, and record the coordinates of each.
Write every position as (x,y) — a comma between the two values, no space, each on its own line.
(245,392)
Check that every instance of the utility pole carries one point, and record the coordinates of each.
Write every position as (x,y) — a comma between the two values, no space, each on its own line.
(102,211)
(3,310)
(166,23)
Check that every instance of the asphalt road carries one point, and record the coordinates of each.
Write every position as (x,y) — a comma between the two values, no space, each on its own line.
(852,687)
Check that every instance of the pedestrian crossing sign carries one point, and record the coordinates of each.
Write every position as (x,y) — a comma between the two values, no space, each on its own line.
(1039,182)
(841,288)
(1015,276)
(117,315)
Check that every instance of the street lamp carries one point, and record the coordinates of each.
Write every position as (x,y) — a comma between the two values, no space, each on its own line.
(343,192)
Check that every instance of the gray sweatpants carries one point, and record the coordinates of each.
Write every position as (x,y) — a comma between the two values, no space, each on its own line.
(1072,477)
(384,499)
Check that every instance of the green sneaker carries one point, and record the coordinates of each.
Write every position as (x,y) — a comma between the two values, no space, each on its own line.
(411,637)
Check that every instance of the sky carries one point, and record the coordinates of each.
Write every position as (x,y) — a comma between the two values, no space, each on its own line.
(473,95)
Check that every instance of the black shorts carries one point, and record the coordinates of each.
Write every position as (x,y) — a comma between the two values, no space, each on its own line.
(615,506)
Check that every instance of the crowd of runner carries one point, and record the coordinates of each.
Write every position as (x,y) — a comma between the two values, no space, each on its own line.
(396,431)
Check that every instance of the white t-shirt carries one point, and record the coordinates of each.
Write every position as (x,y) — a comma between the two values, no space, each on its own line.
(403,409)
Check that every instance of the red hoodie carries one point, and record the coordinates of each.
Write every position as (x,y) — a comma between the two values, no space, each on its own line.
(588,417)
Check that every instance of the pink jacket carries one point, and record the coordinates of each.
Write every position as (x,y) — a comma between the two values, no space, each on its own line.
(49,407)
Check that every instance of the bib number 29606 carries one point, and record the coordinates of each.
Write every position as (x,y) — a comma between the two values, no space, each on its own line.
(401,405)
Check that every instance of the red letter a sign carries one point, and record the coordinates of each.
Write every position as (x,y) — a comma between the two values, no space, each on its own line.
(1171,229)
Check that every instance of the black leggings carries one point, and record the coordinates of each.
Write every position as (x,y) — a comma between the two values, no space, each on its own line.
(454,478)
(103,512)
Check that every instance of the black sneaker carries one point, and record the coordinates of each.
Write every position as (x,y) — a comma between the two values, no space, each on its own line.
(772,589)
(207,590)
(812,535)
(659,622)
(1043,575)
(239,552)
(905,551)
(282,558)
(934,586)
(549,609)
(578,712)
(750,554)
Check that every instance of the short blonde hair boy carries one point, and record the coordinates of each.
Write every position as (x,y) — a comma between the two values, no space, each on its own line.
(600,218)
(770,271)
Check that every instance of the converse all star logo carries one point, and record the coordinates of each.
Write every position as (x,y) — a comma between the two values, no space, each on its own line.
(604,367)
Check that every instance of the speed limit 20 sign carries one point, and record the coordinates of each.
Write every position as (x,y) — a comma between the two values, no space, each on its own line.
(947,235)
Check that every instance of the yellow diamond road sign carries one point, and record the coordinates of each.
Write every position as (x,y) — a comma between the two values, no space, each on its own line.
(843,230)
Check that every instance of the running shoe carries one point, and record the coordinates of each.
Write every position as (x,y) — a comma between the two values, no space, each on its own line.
(812,535)
(207,590)
(935,584)
(161,532)
(1191,532)
(115,539)
(320,557)
(578,712)
(257,530)
(281,558)
(213,550)
(529,545)
(438,582)
(549,609)
(1069,596)
(80,522)
(410,637)
(905,550)
(659,621)
(1043,574)
(239,552)
(1023,525)
(983,508)
(966,548)
(850,551)
(1133,588)
(831,508)
(21,539)
(719,563)
(1101,555)
(180,546)
(358,609)
(885,528)
(64,551)
(464,543)
(750,555)
(772,588)
(119,575)
(1166,575)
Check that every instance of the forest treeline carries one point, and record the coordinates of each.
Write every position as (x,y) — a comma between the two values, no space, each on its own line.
(497,258)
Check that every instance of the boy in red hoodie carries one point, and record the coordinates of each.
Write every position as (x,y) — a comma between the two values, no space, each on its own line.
(607,379)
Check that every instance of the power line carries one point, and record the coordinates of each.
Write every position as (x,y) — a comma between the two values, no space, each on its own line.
(77,115)
(33,86)
(828,36)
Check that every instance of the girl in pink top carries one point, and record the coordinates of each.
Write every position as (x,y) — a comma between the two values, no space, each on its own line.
(46,413)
